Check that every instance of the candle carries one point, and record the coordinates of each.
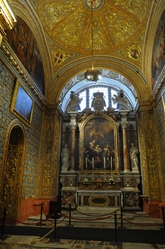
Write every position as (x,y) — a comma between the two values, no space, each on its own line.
(93,162)
(104,162)
(111,163)
(86,163)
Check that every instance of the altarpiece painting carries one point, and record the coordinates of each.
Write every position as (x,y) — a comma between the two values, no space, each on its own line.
(100,152)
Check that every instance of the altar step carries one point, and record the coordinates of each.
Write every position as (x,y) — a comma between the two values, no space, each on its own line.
(106,219)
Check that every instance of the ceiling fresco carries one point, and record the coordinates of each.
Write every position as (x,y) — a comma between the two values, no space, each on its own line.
(115,23)
(64,29)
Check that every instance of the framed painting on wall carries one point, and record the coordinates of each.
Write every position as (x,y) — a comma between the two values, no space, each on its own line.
(22,104)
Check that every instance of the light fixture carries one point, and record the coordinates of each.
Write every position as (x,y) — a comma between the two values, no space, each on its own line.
(92,74)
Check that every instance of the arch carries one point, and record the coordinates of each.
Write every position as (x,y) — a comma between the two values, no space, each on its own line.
(106,82)
(13,168)
(129,71)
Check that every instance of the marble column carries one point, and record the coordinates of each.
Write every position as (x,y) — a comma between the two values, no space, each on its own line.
(73,140)
(124,123)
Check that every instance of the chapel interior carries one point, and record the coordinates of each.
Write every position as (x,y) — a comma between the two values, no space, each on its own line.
(82,105)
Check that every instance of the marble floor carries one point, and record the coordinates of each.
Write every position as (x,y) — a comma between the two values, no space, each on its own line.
(130,221)
(34,242)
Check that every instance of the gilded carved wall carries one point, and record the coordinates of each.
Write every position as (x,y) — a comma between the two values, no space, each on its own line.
(161,132)
(32,152)
(6,87)
(31,140)
(48,162)
(150,158)
(13,170)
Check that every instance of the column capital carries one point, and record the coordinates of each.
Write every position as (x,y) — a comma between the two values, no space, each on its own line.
(124,121)
(73,121)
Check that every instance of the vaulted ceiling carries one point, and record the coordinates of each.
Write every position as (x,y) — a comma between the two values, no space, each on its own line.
(123,36)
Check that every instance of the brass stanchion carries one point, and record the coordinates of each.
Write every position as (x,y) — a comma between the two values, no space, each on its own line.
(69,204)
(163,216)
(40,222)
(55,226)
(116,242)
(121,217)
(3,224)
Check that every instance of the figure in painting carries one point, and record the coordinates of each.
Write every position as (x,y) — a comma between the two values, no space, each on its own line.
(65,156)
(97,154)
(133,156)
(99,145)
(107,156)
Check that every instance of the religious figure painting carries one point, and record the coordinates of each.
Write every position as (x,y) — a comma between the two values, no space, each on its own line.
(22,104)
(24,44)
(99,145)
(158,57)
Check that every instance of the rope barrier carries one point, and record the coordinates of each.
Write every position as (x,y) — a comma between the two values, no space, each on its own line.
(93,218)
(141,224)
(20,221)
(145,213)
(87,219)
(94,214)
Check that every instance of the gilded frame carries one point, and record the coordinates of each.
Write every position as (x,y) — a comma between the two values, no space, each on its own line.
(104,130)
(22,104)
(163,101)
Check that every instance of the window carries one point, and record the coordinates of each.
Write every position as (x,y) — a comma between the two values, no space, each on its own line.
(87,96)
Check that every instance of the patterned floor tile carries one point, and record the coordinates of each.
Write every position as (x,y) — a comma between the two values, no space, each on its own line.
(21,240)
(137,246)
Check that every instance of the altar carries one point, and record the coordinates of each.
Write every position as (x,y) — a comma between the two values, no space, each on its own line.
(96,172)
(103,198)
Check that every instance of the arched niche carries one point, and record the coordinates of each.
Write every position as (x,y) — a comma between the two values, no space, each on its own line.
(13,169)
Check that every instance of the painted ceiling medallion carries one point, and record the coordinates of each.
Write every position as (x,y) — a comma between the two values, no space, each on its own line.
(95,4)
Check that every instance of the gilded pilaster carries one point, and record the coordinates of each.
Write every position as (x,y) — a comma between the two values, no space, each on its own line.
(160,127)
(55,156)
(149,155)
(49,151)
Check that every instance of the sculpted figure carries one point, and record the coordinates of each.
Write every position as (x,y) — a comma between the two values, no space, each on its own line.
(133,156)
(74,104)
(121,101)
(65,156)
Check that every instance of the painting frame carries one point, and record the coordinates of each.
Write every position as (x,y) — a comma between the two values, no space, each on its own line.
(163,101)
(22,104)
